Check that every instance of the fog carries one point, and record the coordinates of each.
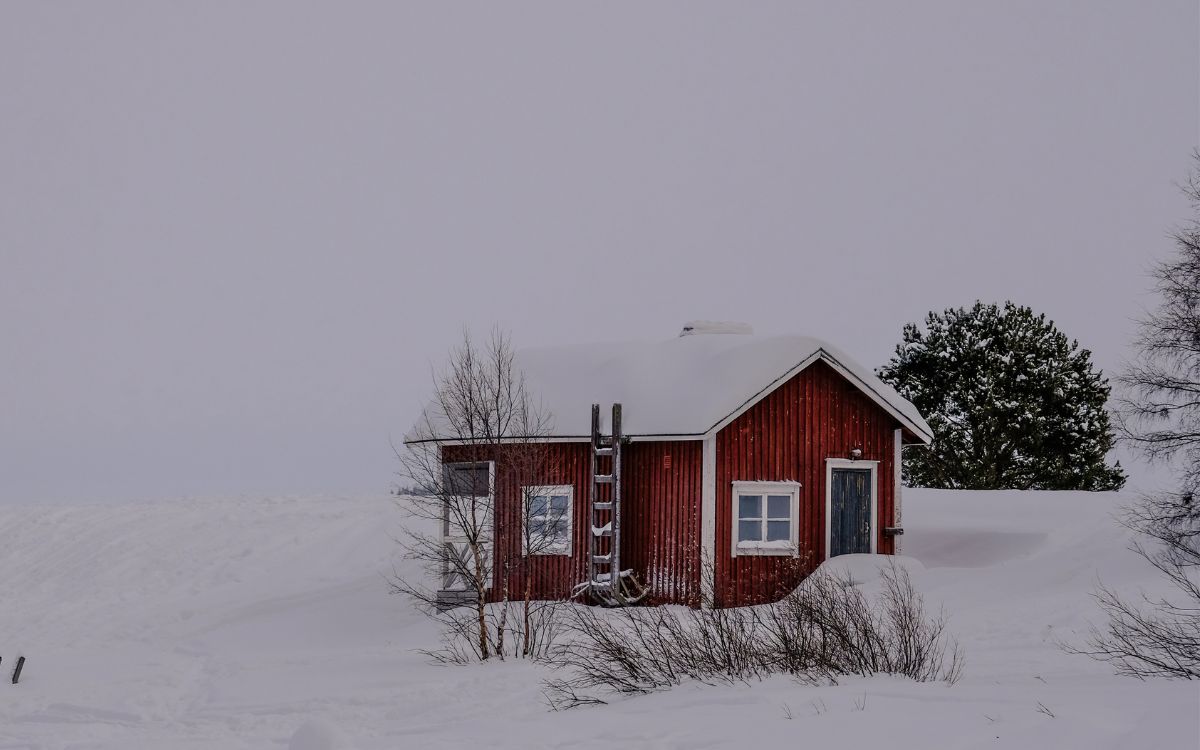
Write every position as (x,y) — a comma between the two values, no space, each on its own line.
(235,238)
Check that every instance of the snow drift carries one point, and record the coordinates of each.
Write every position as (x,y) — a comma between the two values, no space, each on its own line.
(251,623)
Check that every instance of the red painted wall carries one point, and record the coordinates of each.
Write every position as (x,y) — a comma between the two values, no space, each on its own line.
(660,520)
(552,576)
(787,437)
(660,490)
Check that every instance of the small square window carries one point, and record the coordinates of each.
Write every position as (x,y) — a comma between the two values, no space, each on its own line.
(548,520)
(765,517)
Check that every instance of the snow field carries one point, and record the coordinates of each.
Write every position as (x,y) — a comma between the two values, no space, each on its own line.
(260,623)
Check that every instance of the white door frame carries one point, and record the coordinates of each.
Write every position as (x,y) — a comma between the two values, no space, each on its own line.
(845,463)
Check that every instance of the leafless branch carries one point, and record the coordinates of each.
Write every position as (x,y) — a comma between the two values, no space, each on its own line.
(826,628)
(476,452)
(1159,414)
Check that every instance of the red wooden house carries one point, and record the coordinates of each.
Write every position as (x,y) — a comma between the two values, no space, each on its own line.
(755,458)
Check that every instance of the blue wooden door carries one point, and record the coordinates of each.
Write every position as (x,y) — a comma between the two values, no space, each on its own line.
(850,509)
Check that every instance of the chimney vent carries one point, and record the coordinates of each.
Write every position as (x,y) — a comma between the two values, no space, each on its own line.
(705,327)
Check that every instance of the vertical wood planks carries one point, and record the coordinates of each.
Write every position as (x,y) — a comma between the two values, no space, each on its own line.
(831,417)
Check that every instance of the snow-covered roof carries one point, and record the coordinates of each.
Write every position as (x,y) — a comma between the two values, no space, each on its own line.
(685,386)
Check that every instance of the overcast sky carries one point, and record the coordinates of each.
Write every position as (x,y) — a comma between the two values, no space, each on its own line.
(234,236)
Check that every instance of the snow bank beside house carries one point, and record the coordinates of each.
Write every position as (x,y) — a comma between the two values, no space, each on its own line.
(252,623)
(867,569)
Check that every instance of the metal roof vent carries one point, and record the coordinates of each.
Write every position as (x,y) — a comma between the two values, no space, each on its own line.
(704,327)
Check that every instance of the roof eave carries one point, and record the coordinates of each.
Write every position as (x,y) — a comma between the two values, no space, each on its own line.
(637,438)
(918,429)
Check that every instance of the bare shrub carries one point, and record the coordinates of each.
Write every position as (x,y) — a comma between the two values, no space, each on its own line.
(459,634)
(531,635)
(824,629)
(1159,413)
(474,457)
(828,627)
(535,633)
(1157,637)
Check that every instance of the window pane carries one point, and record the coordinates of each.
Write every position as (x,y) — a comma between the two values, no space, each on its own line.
(779,506)
(749,531)
(537,528)
(557,529)
(470,480)
(779,531)
(479,482)
(538,505)
(558,503)
(749,506)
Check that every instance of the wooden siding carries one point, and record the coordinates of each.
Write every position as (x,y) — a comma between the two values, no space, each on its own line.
(787,437)
(660,514)
(551,576)
(660,510)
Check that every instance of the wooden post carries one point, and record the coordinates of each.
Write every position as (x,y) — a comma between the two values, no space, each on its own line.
(614,571)
(897,486)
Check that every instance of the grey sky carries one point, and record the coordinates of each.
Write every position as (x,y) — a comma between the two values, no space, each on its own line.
(234,236)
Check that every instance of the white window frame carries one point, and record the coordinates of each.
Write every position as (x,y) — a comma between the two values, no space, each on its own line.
(845,463)
(790,548)
(566,549)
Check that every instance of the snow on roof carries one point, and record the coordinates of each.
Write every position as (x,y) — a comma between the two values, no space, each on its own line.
(687,385)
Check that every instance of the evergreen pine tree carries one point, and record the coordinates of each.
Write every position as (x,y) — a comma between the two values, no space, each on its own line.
(1011,401)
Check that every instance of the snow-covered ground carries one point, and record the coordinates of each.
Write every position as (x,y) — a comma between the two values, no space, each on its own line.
(246,623)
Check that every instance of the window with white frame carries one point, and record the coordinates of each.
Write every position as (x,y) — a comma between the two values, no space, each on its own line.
(765,518)
(548,512)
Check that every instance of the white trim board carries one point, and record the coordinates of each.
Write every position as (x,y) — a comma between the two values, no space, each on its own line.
(845,463)
(897,487)
(708,519)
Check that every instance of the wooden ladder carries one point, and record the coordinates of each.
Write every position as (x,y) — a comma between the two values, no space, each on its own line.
(607,584)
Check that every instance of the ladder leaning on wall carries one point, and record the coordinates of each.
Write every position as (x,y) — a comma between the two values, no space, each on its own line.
(607,584)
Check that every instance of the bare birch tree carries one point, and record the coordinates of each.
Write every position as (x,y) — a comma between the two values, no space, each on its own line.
(1159,413)
(482,438)
(545,518)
